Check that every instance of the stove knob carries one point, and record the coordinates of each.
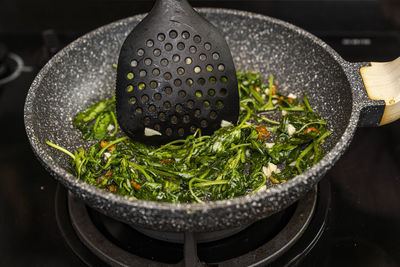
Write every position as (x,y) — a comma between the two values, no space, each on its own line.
(4,69)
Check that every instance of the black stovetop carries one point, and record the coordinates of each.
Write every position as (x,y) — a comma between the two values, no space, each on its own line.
(363,227)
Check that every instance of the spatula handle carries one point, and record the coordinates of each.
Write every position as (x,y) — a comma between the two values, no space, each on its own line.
(382,82)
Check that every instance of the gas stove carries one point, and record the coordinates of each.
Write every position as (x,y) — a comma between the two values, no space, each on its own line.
(352,217)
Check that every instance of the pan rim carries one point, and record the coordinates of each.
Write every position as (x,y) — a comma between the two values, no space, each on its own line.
(311,175)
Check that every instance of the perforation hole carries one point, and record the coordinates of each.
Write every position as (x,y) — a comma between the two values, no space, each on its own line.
(197,69)
(142,73)
(186,119)
(215,56)
(192,129)
(181,131)
(223,92)
(201,81)
(153,84)
(176,58)
(178,108)
(141,86)
(220,104)
(152,108)
(211,92)
(212,80)
(162,116)
(181,46)
(209,67)
(129,88)
(168,47)
(157,96)
(164,62)
(157,127)
(224,79)
(174,119)
(138,111)
(189,82)
(147,121)
(185,35)
(213,115)
(134,63)
(221,67)
(140,52)
(207,46)
(197,39)
(203,123)
(149,43)
(168,90)
(167,76)
(132,100)
(161,37)
(197,113)
(188,60)
(202,57)
(192,49)
(147,61)
(190,104)
(167,105)
(206,104)
(130,76)
(173,34)
(182,93)
(180,71)
(157,52)
(178,82)
(168,131)
(199,94)
(156,72)
(145,98)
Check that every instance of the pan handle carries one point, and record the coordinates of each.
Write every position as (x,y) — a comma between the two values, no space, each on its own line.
(382,82)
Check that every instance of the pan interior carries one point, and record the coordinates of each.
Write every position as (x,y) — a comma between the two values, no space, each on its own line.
(83,74)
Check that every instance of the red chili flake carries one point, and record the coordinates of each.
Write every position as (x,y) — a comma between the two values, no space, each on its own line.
(311,129)
(262,132)
(108,173)
(165,161)
(105,143)
(112,188)
(136,185)
(290,100)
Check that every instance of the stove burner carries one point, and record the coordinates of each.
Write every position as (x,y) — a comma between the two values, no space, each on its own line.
(11,65)
(283,237)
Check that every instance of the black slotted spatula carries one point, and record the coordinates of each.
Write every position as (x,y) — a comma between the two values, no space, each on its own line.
(175,75)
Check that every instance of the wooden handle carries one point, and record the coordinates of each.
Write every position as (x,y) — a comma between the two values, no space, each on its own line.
(382,82)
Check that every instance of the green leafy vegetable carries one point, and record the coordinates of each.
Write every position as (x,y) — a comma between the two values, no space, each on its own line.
(276,138)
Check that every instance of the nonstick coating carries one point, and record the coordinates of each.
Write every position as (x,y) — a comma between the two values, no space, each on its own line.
(82,74)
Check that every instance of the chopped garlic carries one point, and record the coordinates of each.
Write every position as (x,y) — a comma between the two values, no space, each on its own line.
(107,155)
(263,97)
(248,155)
(269,145)
(284,112)
(110,127)
(225,123)
(151,132)
(270,169)
(292,96)
(292,164)
(266,91)
(274,101)
(290,129)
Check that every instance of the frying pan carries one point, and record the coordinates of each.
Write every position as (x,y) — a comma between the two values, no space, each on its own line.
(82,74)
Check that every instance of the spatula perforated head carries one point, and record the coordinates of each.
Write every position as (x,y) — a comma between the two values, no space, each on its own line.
(175,75)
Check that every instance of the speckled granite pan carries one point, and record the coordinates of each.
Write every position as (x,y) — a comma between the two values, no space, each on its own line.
(82,73)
